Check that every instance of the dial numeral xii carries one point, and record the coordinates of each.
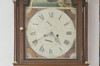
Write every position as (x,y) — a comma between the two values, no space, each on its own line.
(51,14)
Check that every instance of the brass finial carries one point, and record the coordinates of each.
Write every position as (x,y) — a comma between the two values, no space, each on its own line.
(86,0)
(21,28)
(86,62)
(15,62)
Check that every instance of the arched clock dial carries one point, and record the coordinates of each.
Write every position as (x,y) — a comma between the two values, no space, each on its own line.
(51,33)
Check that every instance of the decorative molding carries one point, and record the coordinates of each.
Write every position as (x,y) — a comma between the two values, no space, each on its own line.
(74,1)
(14,1)
(26,2)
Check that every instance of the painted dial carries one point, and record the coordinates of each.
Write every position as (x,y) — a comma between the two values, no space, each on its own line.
(51,33)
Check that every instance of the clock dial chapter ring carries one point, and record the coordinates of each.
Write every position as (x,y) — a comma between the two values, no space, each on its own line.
(50,33)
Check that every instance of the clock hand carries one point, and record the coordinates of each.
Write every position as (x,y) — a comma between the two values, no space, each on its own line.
(49,23)
(40,38)
(48,40)
(56,38)
(51,33)
(45,35)
(36,41)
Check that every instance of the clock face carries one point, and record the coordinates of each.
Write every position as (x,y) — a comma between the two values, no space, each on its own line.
(50,33)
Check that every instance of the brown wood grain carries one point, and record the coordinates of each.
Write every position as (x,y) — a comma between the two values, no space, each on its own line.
(86,33)
(15,31)
(51,64)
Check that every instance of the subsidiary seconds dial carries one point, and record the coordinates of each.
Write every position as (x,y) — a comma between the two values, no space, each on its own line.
(51,33)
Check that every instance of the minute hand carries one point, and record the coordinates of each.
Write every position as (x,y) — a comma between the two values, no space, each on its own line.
(45,35)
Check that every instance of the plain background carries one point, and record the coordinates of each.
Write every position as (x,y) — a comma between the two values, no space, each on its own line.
(7,33)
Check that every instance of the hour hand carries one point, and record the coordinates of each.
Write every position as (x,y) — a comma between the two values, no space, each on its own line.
(45,35)
(56,38)
(52,34)
(48,40)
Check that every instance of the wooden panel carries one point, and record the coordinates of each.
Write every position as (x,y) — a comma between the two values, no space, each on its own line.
(50,64)
(16,31)
(86,32)
(15,20)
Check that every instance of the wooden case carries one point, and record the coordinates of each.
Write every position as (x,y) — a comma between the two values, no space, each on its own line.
(19,18)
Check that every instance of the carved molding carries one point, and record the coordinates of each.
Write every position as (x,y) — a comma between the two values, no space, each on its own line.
(26,2)
(75,1)
(14,1)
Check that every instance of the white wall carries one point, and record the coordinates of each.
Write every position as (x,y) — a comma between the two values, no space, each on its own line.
(7,32)
(93,32)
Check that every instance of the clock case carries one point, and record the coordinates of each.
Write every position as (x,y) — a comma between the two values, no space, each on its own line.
(82,37)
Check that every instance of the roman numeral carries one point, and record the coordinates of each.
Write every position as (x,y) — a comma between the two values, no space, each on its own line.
(66,42)
(49,23)
(69,33)
(41,49)
(51,14)
(33,33)
(60,49)
(35,24)
(60,17)
(50,51)
(41,16)
(66,24)
(35,42)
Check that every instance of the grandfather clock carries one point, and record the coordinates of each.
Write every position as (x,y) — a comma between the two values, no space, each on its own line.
(50,32)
